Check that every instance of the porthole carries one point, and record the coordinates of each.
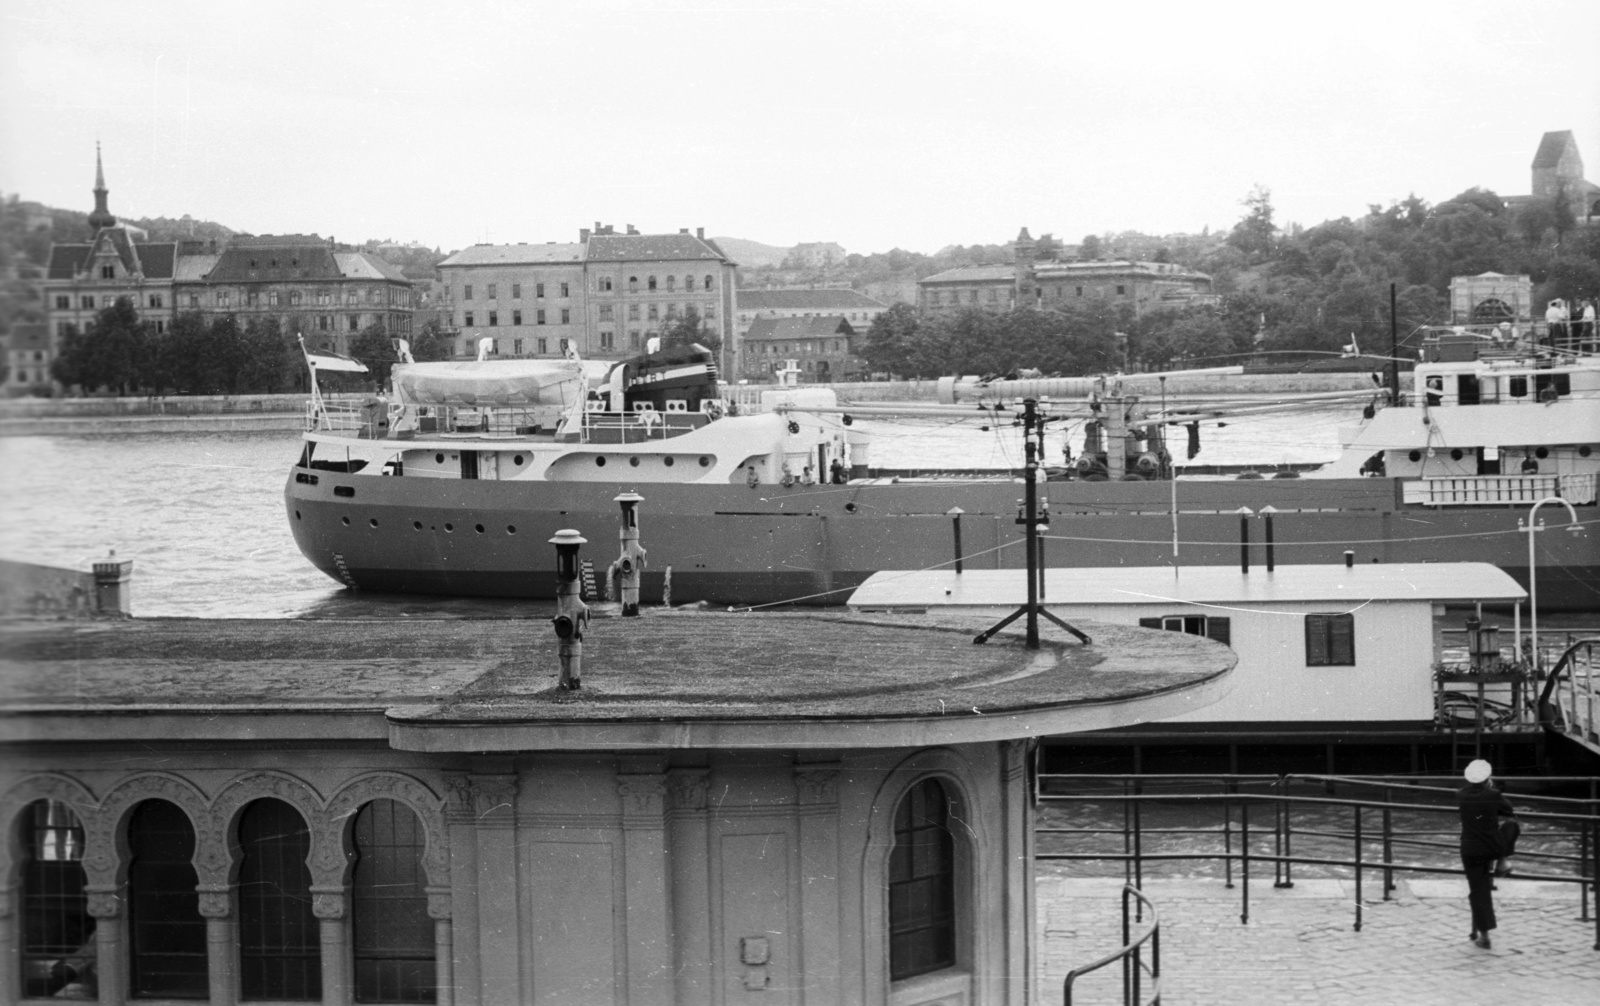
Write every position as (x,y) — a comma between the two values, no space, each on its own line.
(705,462)
(1541,452)
(417,524)
(634,461)
(1415,455)
(449,527)
(345,521)
(1584,451)
(667,461)
(516,459)
(600,462)
(373,522)
(511,529)
(438,459)
(1455,454)
(479,528)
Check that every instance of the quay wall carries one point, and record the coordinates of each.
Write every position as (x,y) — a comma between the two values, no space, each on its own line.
(275,413)
(29,590)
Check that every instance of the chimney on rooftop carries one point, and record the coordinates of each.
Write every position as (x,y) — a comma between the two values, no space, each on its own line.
(632,229)
(700,232)
(583,235)
(683,230)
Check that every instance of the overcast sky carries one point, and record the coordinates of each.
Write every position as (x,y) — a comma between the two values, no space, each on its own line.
(872,124)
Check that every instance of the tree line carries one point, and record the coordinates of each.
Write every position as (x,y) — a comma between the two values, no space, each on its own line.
(1304,290)
(122,353)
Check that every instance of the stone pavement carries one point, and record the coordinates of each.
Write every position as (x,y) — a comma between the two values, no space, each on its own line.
(1299,946)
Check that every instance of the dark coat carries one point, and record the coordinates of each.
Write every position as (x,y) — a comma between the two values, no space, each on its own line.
(1482,806)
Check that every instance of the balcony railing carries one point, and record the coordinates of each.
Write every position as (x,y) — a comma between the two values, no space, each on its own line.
(1468,490)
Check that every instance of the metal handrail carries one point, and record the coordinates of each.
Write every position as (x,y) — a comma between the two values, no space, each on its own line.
(1565,663)
(1584,815)
(1131,955)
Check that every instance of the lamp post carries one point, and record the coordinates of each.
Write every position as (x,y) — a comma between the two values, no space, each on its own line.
(1533,573)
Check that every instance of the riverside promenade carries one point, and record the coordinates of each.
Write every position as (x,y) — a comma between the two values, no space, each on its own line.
(1300,948)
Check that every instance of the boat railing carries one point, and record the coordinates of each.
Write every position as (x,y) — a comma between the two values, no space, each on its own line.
(366,419)
(1578,488)
(641,426)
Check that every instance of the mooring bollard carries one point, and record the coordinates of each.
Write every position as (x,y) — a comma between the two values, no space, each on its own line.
(626,572)
(572,615)
(954,513)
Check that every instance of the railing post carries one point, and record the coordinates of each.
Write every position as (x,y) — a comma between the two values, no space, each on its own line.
(1127,835)
(1227,844)
(1288,833)
(1138,836)
(1388,846)
(1129,964)
(1244,863)
(1357,809)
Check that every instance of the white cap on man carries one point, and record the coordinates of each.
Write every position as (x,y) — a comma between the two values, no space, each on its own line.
(1478,771)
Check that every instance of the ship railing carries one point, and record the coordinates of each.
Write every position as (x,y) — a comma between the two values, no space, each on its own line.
(1571,697)
(1354,827)
(1465,490)
(362,419)
(639,427)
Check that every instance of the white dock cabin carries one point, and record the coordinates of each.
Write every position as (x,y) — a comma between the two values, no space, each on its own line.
(1317,644)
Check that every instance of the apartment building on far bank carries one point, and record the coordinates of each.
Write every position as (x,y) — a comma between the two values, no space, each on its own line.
(604,295)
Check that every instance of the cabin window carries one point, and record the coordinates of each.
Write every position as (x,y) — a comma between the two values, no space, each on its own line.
(1467,389)
(1330,640)
(1488,390)
(1435,386)
(922,884)
(1208,626)
(1517,386)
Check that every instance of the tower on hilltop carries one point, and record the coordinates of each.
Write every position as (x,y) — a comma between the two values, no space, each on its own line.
(101,217)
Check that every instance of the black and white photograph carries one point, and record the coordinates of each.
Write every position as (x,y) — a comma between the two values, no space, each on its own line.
(799,502)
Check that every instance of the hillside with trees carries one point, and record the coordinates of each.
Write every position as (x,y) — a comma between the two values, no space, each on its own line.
(1305,290)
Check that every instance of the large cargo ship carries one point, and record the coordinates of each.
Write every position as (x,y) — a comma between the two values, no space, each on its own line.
(455,483)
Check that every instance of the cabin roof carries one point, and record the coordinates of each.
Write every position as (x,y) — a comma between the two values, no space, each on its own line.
(670,678)
(1289,585)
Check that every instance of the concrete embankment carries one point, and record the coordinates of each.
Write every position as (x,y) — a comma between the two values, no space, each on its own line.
(179,414)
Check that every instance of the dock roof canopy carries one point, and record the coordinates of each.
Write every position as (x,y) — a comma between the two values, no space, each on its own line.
(1441,582)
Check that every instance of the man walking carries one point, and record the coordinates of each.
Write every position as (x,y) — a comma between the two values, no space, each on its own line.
(1482,806)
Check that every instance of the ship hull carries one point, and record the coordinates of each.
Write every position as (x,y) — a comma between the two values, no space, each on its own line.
(813,544)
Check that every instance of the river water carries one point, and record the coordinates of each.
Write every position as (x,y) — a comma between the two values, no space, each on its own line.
(202,515)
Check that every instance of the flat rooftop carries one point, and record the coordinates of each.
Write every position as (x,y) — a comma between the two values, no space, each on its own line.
(671,678)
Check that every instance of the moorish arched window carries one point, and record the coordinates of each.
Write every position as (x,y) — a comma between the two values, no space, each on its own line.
(280,940)
(922,888)
(166,932)
(392,934)
(58,950)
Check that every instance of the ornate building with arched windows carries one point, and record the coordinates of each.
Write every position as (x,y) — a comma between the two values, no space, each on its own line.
(411,812)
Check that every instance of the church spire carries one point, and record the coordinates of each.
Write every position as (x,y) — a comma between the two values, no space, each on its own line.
(101,217)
